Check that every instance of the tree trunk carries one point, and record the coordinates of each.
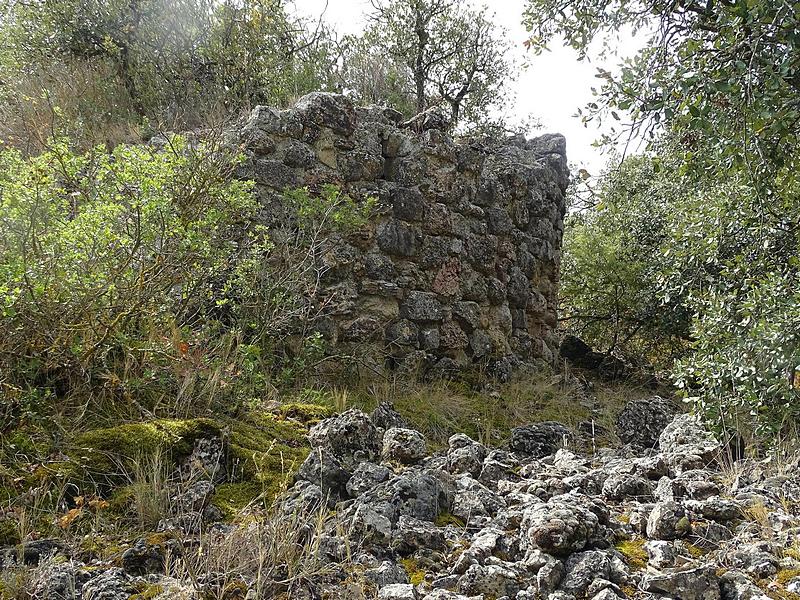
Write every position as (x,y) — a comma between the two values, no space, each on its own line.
(419,60)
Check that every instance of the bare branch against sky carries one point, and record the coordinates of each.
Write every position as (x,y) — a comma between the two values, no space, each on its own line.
(551,87)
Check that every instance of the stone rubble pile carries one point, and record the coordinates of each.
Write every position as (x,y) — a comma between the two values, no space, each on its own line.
(657,518)
(668,518)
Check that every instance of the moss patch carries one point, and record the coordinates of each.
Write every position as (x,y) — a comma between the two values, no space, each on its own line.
(695,551)
(306,413)
(264,449)
(27,442)
(103,453)
(784,576)
(267,450)
(98,547)
(793,552)
(416,574)
(147,592)
(232,498)
(634,552)
(445,518)
(776,589)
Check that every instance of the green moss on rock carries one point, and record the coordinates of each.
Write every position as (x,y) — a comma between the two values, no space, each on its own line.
(104,455)
(416,574)
(306,413)
(634,552)
(25,441)
(267,449)
(445,518)
(263,452)
(147,592)
(232,498)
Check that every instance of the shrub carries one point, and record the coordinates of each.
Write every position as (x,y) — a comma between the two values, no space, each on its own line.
(696,273)
(105,261)
(612,274)
(141,277)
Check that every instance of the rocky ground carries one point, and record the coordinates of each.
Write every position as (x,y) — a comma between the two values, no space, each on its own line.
(373,513)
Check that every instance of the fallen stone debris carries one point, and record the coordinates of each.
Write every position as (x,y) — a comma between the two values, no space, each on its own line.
(538,519)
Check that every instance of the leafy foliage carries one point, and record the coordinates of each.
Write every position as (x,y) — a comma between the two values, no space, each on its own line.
(374,74)
(612,280)
(684,270)
(140,278)
(105,260)
(96,70)
(722,72)
(719,80)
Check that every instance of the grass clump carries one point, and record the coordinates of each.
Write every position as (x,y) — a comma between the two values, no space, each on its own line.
(441,408)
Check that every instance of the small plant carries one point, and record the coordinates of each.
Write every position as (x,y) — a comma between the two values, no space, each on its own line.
(758,513)
(330,209)
(150,489)
(416,574)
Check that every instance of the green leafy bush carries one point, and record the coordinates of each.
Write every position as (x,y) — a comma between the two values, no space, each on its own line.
(612,274)
(105,260)
(140,278)
(693,272)
(719,81)
(745,368)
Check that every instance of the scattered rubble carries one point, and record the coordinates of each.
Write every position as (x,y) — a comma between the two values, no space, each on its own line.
(656,519)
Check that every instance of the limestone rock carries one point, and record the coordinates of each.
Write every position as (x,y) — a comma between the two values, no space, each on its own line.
(667,521)
(642,421)
(398,591)
(366,476)
(351,438)
(539,439)
(559,528)
(405,446)
(700,583)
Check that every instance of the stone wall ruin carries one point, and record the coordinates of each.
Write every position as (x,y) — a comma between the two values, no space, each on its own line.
(459,266)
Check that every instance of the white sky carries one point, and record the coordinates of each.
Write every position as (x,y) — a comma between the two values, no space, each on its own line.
(552,87)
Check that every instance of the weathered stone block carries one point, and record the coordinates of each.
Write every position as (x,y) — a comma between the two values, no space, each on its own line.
(468,314)
(422,306)
(327,110)
(395,237)
(518,288)
(403,333)
(452,336)
(446,282)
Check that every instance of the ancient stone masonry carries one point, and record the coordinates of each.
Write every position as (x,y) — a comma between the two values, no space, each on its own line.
(459,265)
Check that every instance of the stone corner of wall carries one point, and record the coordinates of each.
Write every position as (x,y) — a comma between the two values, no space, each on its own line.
(459,267)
